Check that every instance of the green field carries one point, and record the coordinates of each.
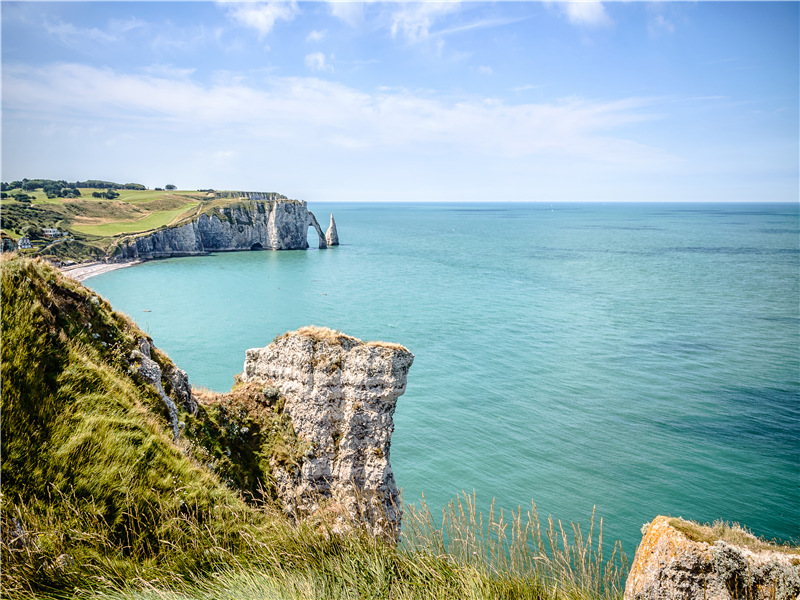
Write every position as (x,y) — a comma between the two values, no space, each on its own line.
(152,221)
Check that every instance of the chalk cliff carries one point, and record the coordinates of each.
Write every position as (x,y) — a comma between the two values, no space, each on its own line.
(340,394)
(332,236)
(249,225)
(669,565)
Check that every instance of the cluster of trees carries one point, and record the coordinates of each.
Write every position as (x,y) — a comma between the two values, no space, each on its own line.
(109,194)
(61,188)
(109,185)
(18,196)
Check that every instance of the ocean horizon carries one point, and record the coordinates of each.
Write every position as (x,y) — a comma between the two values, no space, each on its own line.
(642,359)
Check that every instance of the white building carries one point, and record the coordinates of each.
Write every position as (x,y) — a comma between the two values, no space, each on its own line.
(51,232)
(23,243)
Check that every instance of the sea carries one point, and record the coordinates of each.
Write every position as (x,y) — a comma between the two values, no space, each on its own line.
(635,359)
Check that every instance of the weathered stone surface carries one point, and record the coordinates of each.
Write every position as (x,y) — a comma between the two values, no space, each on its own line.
(332,236)
(180,390)
(315,224)
(670,566)
(340,394)
(254,225)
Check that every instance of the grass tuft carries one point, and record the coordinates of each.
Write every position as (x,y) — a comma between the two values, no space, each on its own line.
(731,533)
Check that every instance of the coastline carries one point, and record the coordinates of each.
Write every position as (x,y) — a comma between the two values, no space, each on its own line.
(85,271)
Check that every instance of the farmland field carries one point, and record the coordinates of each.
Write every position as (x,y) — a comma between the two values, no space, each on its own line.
(152,221)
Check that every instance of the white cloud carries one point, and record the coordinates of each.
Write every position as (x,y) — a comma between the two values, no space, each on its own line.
(316,36)
(589,13)
(414,20)
(351,13)
(332,114)
(262,16)
(316,62)
(485,70)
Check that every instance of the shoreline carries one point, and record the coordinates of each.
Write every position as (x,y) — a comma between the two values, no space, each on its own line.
(85,271)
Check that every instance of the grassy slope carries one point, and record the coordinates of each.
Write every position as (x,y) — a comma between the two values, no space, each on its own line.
(152,221)
(133,211)
(97,497)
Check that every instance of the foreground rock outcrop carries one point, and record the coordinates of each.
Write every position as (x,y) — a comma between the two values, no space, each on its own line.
(340,394)
(247,225)
(669,565)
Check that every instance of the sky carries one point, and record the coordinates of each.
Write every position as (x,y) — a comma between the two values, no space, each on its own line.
(409,102)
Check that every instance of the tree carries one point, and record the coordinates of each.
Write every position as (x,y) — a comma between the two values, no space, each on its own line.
(31,231)
(170,187)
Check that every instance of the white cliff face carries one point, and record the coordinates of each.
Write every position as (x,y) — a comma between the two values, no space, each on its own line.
(332,236)
(255,225)
(340,395)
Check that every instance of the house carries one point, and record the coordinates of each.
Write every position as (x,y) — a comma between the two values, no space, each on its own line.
(23,243)
(51,232)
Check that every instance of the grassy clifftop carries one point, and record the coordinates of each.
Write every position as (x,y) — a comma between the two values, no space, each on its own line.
(94,225)
(98,500)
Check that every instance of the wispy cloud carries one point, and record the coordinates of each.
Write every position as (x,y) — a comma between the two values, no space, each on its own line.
(351,13)
(316,36)
(332,114)
(72,35)
(658,25)
(261,16)
(316,61)
(475,25)
(413,21)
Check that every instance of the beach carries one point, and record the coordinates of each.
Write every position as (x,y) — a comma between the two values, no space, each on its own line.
(84,271)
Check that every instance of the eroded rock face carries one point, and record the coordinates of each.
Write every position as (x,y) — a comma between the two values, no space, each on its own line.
(670,566)
(340,394)
(254,225)
(149,370)
(332,236)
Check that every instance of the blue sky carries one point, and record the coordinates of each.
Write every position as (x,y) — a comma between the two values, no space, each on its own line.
(401,101)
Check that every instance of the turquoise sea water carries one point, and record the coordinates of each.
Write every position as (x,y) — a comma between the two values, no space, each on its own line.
(641,358)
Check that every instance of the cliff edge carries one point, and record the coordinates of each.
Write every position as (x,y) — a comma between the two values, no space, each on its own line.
(243,225)
(673,562)
(341,394)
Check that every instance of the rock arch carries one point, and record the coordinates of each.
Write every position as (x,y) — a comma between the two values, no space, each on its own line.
(312,222)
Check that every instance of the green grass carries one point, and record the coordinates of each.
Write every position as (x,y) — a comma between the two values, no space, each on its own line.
(731,533)
(152,221)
